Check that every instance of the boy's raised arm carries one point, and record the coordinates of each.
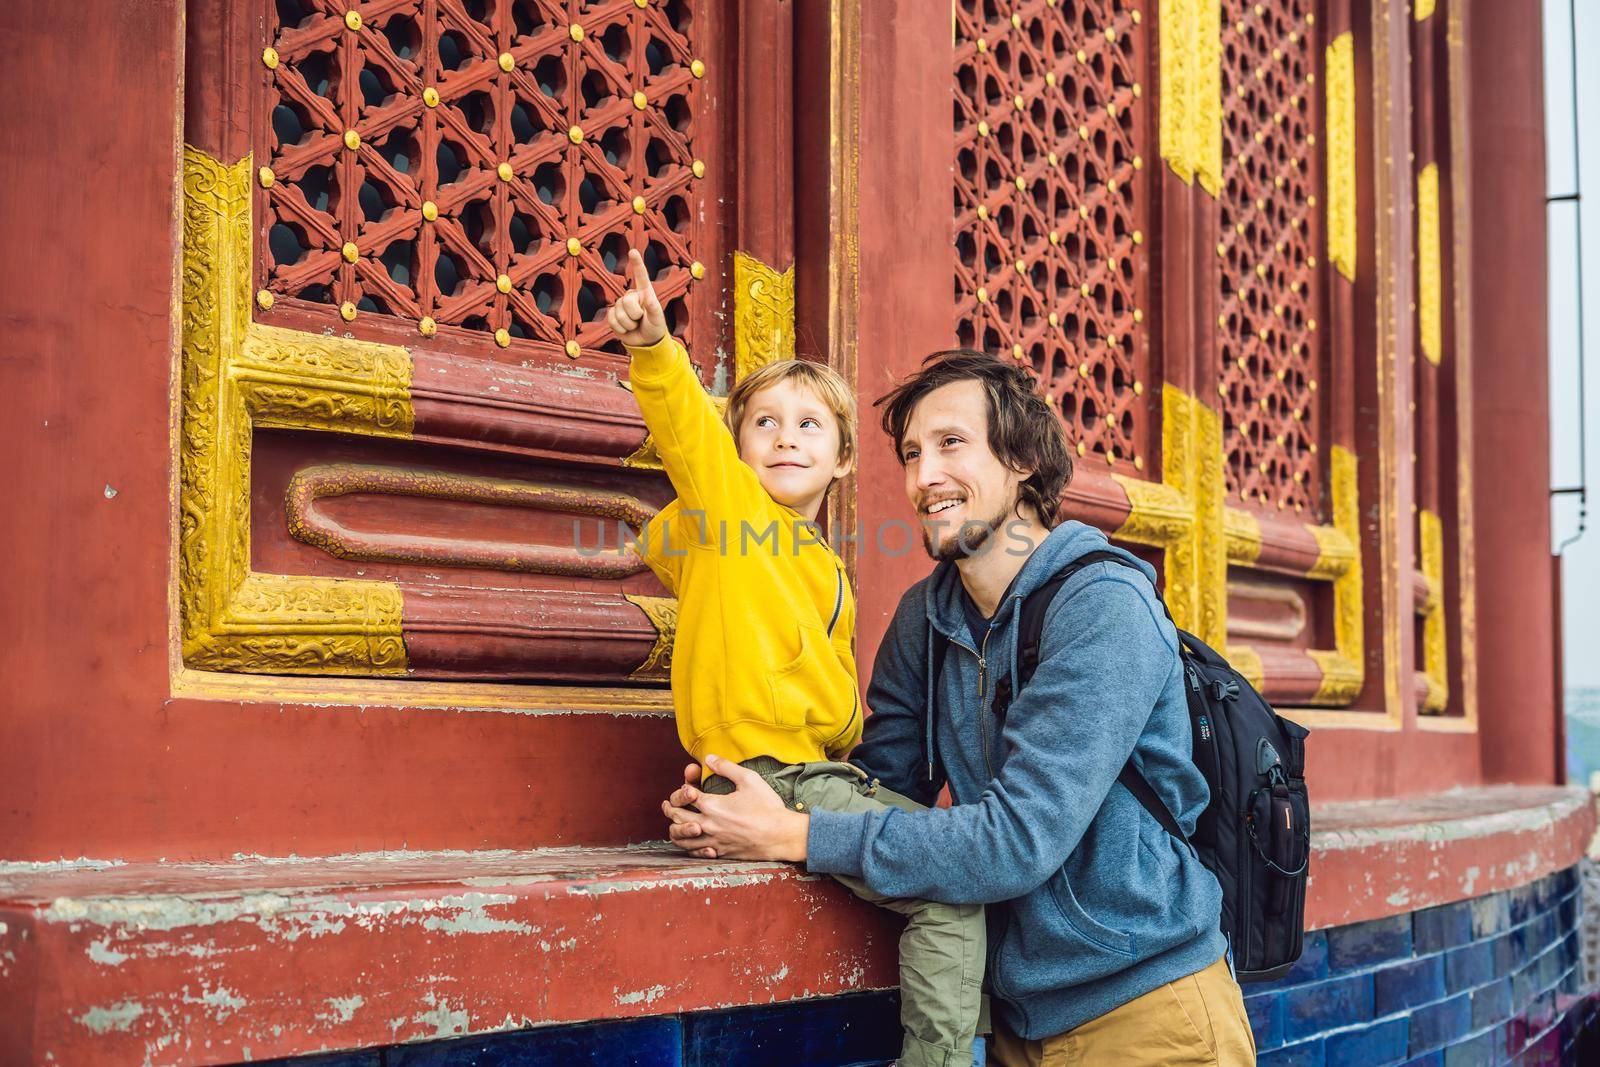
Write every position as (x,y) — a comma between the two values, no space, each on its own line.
(695,446)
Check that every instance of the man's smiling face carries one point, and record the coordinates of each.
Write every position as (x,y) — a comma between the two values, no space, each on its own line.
(961,491)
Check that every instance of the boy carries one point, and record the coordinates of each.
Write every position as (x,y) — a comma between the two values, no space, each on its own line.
(763,671)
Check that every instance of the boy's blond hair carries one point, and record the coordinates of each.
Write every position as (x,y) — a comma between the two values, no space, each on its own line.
(821,379)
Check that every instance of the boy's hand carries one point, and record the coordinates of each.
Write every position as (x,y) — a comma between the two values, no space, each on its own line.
(636,317)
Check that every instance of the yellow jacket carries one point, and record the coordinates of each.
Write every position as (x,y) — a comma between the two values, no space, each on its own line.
(763,663)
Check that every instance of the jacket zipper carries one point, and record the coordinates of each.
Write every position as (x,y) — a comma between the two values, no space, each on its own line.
(838,601)
(983,670)
(983,727)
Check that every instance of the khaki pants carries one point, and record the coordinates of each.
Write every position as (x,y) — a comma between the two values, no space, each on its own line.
(1195,1021)
(942,948)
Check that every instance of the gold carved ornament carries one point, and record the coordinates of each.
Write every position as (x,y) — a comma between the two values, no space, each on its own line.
(1341,146)
(1182,514)
(1343,666)
(1191,90)
(1435,665)
(662,611)
(1430,274)
(763,314)
(238,375)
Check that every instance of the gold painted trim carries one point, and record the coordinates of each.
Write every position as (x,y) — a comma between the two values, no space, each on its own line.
(1435,649)
(1244,536)
(763,314)
(1335,549)
(1344,667)
(237,375)
(1190,34)
(662,611)
(1430,272)
(1177,60)
(1207,108)
(1340,109)
(1341,677)
(507,697)
(1183,514)
(1336,553)
(1424,9)
(1186,515)
(1159,515)
(645,457)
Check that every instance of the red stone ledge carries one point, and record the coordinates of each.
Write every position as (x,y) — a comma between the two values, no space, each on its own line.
(1383,857)
(258,958)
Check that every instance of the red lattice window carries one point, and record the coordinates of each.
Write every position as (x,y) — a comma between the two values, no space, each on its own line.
(482,165)
(1270,285)
(1052,133)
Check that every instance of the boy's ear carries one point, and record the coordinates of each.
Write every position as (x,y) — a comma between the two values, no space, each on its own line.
(844,466)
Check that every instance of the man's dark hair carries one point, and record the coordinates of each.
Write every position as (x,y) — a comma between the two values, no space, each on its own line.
(1024,432)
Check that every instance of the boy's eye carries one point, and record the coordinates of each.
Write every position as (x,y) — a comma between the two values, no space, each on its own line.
(766,420)
(811,423)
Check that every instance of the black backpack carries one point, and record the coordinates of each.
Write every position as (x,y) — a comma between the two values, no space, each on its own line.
(1255,835)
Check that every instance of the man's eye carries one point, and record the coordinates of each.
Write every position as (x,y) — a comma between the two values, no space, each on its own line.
(949,441)
(908,456)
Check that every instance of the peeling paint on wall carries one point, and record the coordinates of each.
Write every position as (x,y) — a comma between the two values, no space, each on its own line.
(342,1009)
(445,1020)
(641,996)
(117,1016)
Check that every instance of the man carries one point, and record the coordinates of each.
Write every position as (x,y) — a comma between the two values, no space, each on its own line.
(1104,941)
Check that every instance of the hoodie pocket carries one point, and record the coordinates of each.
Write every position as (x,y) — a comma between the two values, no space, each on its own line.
(1049,941)
(800,685)
(1082,923)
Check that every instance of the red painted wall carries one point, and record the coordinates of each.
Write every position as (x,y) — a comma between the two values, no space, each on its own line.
(97,759)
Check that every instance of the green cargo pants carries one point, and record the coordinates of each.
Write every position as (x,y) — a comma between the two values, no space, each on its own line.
(942,948)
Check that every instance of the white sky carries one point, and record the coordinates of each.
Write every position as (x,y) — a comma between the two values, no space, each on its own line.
(1581,582)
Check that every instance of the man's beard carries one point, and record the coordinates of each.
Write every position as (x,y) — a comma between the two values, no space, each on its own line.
(967,541)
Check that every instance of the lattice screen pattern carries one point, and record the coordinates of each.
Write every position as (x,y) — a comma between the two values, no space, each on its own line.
(480,164)
(1051,123)
(1270,298)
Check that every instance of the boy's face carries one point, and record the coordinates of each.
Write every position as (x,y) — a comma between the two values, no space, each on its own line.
(791,438)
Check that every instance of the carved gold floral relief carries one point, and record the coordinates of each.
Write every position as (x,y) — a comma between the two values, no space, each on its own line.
(237,375)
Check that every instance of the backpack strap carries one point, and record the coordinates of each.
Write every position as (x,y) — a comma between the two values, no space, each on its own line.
(1031,632)
(1037,603)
